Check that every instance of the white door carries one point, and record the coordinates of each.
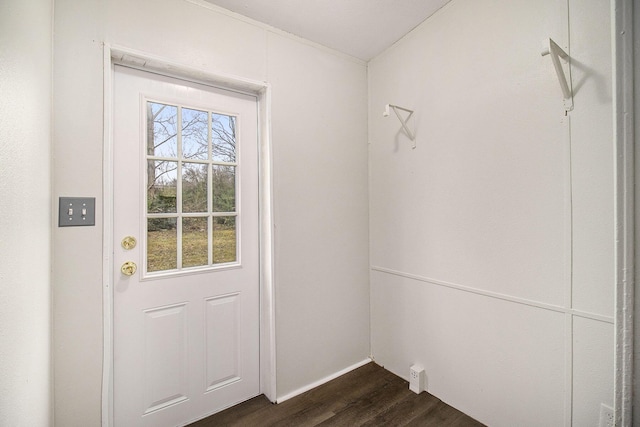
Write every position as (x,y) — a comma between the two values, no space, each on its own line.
(186,322)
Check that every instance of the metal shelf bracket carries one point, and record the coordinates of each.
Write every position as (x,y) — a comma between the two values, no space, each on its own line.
(404,121)
(556,53)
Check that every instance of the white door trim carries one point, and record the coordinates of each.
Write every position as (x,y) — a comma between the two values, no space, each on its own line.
(120,55)
(624,116)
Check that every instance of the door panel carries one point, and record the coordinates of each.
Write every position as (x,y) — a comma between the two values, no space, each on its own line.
(165,357)
(222,326)
(186,323)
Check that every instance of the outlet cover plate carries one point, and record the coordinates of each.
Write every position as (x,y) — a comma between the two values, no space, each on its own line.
(606,416)
(417,379)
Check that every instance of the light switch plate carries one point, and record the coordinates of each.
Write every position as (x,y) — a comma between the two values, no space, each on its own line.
(76,211)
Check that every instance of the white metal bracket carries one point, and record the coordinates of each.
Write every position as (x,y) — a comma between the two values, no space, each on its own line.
(402,120)
(556,53)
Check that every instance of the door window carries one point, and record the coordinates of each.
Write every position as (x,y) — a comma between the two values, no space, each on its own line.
(191,188)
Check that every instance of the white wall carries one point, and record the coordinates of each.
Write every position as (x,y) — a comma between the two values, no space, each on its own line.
(492,241)
(25,138)
(321,212)
(319,129)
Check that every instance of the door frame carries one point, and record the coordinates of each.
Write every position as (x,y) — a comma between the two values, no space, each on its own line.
(624,37)
(117,55)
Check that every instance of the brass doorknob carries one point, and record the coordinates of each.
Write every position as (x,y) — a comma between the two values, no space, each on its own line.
(129,268)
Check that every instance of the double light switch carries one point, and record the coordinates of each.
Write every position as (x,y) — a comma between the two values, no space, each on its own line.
(76,211)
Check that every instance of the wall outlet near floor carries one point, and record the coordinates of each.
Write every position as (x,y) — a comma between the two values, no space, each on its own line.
(606,416)
(417,379)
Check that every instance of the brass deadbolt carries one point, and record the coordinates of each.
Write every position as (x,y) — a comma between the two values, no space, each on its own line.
(128,242)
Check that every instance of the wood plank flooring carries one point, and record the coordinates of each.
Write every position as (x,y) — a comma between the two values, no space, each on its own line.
(367,396)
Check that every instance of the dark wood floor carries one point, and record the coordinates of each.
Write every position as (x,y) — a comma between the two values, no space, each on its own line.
(367,396)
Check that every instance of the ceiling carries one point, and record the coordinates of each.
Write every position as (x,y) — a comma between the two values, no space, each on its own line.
(360,28)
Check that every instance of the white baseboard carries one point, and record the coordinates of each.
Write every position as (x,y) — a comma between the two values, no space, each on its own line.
(322,381)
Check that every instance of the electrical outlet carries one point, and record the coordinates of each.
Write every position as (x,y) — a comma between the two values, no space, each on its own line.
(606,416)
(416,379)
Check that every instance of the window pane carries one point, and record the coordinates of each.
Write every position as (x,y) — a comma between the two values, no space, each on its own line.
(195,242)
(161,187)
(194,187)
(223,138)
(224,239)
(162,130)
(194,134)
(162,244)
(224,188)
